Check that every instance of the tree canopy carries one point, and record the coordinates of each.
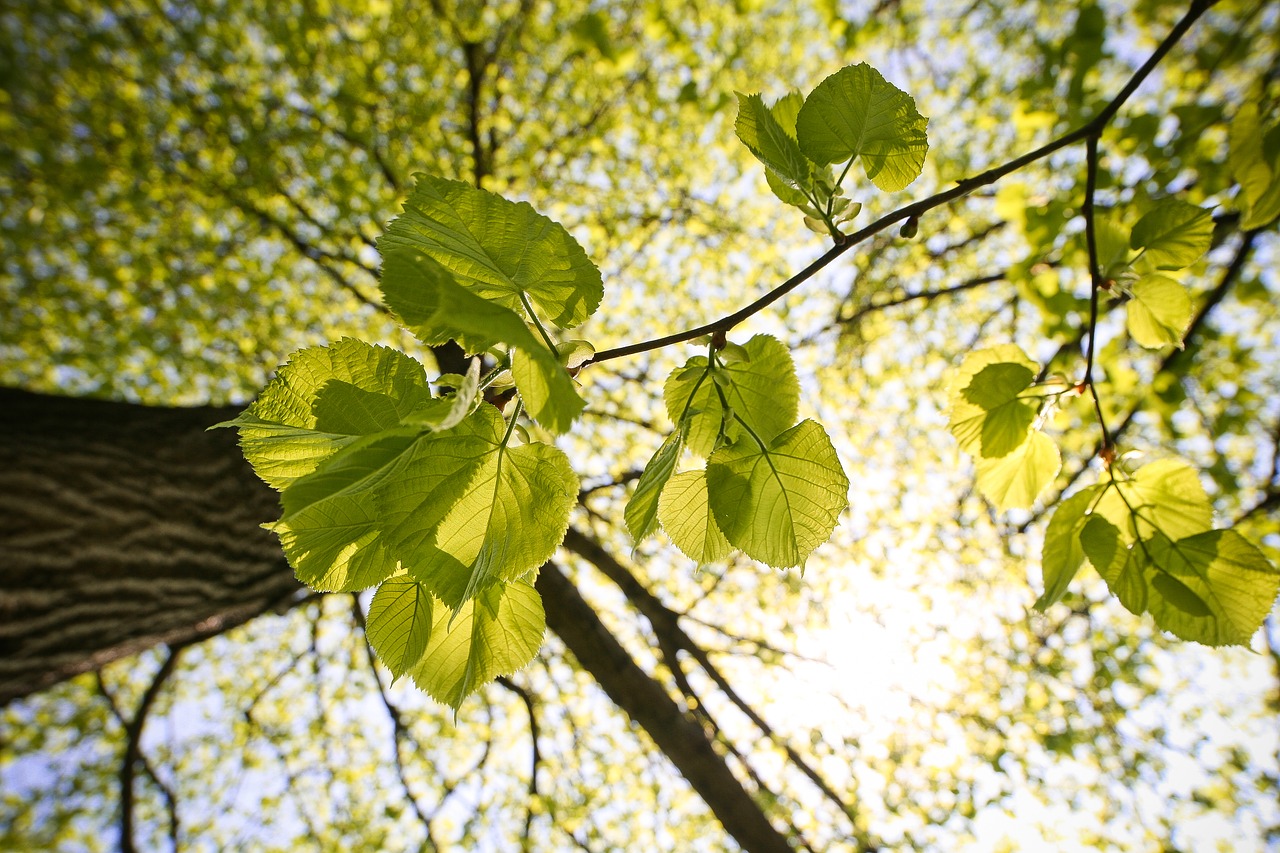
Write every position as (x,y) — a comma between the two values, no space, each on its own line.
(929,409)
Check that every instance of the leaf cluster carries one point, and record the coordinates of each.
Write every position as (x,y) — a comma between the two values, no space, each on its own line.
(853,115)
(771,487)
(432,494)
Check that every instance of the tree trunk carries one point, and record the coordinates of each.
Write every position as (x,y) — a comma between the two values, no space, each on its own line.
(123,526)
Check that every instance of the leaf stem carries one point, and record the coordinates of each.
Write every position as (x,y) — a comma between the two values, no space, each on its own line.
(533,315)
(511,427)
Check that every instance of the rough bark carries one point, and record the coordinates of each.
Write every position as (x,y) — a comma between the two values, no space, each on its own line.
(123,526)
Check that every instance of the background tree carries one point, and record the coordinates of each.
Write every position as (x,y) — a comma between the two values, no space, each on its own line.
(194,191)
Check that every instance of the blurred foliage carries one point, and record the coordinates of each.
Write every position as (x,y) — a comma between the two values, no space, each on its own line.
(192,190)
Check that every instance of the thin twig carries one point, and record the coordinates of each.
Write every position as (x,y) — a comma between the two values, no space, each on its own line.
(527,698)
(665,624)
(399,729)
(1096,286)
(133,746)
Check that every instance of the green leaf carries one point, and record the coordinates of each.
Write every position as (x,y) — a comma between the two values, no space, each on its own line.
(857,113)
(497,249)
(1015,480)
(546,388)
(988,418)
(1173,234)
(778,502)
(321,400)
(1257,171)
(280,453)
(1164,496)
(1159,312)
(685,512)
(1112,243)
(642,510)
(1121,566)
(785,112)
(431,480)
(466,511)
(343,408)
(399,623)
(433,305)
(496,633)
(330,530)
(760,387)
(436,308)
(774,146)
(1213,587)
(1062,554)
(574,353)
(998,384)
(692,400)
(466,394)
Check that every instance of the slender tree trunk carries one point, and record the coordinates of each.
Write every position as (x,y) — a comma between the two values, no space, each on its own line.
(123,526)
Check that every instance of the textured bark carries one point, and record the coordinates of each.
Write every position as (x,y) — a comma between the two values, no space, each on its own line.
(123,526)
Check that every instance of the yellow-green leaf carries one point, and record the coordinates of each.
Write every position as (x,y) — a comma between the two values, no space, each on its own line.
(1015,480)
(778,502)
(685,513)
(988,417)
(496,633)
(857,113)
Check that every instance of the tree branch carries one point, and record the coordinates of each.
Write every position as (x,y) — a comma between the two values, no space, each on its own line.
(917,209)
(133,747)
(312,253)
(676,733)
(1168,364)
(666,625)
(399,730)
(1096,286)
(527,698)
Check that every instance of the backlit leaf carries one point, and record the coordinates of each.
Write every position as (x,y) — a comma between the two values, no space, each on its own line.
(1163,496)
(330,529)
(1061,555)
(778,503)
(686,516)
(1159,311)
(988,418)
(1121,566)
(1213,587)
(496,633)
(498,249)
(642,510)
(1015,480)
(321,400)
(399,623)
(773,145)
(465,515)
(760,387)
(1173,234)
(857,113)
(436,308)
